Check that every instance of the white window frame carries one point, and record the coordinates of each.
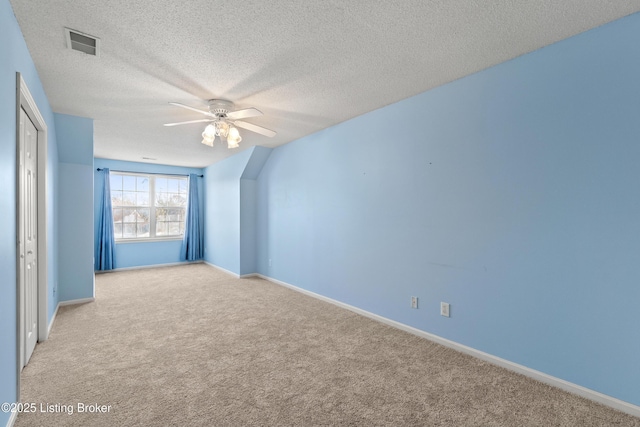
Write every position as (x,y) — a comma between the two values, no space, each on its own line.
(152,207)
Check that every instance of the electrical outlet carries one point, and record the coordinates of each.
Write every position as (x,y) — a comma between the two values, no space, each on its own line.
(444,309)
(414,302)
(270,262)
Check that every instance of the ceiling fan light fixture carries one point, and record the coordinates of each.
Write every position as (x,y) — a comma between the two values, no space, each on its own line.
(209,132)
(222,128)
(208,141)
(209,135)
(234,138)
(223,121)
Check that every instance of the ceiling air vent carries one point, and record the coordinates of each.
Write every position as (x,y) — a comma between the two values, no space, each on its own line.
(82,42)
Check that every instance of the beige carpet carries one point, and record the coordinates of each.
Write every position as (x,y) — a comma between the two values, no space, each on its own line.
(192,346)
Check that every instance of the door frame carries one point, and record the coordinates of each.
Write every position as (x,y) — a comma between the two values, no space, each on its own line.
(25,100)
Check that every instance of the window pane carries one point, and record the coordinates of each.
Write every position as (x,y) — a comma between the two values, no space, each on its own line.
(143,215)
(142,183)
(169,215)
(128,198)
(116,198)
(128,215)
(163,215)
(184,186)
(142,199)
(161,229)
(115,182)
(174,214)
(177,199)
(173,185)
(117,215)
(129,231)
(117,230)
(161,185)
(129,183)
(169,228)
(161,199)
(173,228)
(143,230)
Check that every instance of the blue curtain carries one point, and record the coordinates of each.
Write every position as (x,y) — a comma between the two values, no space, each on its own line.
(192,245)
(105,254)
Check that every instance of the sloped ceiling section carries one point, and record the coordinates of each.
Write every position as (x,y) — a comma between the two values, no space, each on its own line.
(305,65)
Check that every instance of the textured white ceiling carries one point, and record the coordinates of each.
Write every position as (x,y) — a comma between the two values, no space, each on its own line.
(306,65)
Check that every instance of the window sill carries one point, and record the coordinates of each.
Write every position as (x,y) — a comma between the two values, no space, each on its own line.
(152,240)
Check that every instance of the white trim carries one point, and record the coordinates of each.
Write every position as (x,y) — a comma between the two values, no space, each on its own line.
(231,273)
(53,318)
(141,267)
(24,100)
(149,239)
(63,303)
(27,102)
(224,270)
(12,419)
(75,302)
(593,395)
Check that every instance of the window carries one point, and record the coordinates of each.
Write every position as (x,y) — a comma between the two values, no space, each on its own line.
(148,206)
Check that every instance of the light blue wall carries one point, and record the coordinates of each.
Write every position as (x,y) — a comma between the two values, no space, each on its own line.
(139,254)
(14,57)
(248,209)
(248,230)
(512,194)
(75,139)
(222,210)
(230,207)
(75,207)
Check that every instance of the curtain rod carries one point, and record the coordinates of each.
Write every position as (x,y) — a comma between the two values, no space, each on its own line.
(153,173)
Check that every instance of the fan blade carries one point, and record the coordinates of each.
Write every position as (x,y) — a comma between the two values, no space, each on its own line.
(255,128)
(190,121)
(206,113)
(244,114)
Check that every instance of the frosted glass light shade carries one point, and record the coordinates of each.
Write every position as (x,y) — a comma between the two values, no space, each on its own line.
(222,129)
(234,137)
(208,141)
(209,132)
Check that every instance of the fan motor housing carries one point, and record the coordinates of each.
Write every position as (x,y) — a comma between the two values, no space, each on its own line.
(220,107)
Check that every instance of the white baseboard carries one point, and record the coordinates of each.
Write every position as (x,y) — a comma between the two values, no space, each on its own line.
(12,419)
(75,301)
(231,273)
(224,270)
(593,395)
(141,267)
(53,318)
(63,303)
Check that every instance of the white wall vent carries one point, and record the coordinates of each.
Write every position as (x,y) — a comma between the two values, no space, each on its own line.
(82,42)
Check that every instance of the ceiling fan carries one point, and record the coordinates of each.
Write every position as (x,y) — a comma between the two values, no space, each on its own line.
(224,121)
